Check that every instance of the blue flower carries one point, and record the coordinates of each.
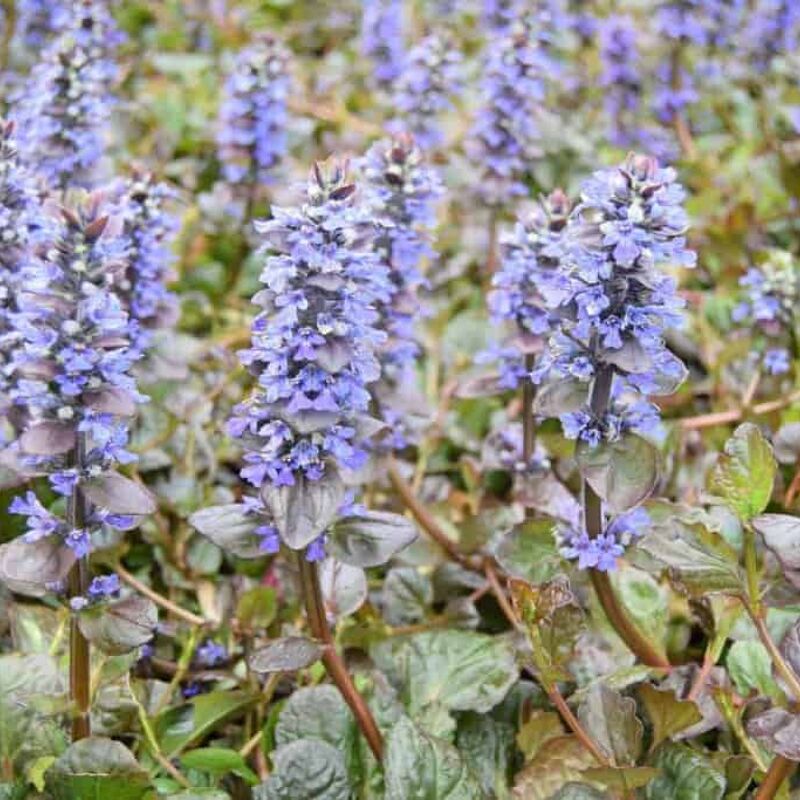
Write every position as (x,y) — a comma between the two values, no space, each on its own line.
(382,38)
(70,369)
(614,303)
(63,109)
(253,115)
(432,75)
(314,342)
(505,135)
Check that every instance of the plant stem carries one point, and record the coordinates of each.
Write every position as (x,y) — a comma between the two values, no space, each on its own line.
(528,428)
(779,770)
(77,586)
(334,664)
(159,600)
(636,641)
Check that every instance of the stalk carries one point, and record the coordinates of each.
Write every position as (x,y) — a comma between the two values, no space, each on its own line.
(779,770)
(334,664)
(528,428)
(636,641)
(78,583)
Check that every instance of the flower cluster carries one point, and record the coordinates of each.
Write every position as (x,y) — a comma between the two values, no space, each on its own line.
(148,229)
(38,20)
(401,192)
(528,283)
(314,342)
(602,552)
(504,135)
(498,16)
(20,227)
(101,589)
(253,114)
(382,38)
(615,300)
(431,77)
(71,371)
(620,76)
(771,295)
(63,109)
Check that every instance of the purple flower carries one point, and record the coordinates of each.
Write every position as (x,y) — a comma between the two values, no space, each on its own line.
(253,115)
(382,38)
(401,192)
(210,654)
(314,341)
(613,303)
(63,108)
(504,135)
(431,76)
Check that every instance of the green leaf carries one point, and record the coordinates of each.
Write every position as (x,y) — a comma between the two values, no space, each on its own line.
(779,730)
(559,397)
(685,775)
(97,769)
(257,607)
(487,746)
(306,508)
(578,791)
(644,599)
(696,558)
(344,587)
(180,726)
(307,769)
(422,766)
(407,594)
(621,780)
(750,667)
(370,539)
(219,761)
(529,552)
(781,534)
(623,473)
(461,670)
(120,626)
(285,655)
(668,715)
(536,730)
(558,763)
(319,712)
(230,527)
(745,472)
(30,568)
(610,719)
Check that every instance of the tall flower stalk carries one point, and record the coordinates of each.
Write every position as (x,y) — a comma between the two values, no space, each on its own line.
(313,353)
(63,108)
(148,229)
(72,380)
(431,76)
(401,192)
(382,39)
(613,306)
(252,120)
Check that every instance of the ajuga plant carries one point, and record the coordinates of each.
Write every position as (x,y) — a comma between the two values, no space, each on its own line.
(37,21)
(504,133)
(21,225)
(71,378)
(621,78)
(770,293)
(305,427)
(401,191)
(63,108)
(251,134)
(499,15)
(611,303)
(383,39)
(148,229)
(431,77)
